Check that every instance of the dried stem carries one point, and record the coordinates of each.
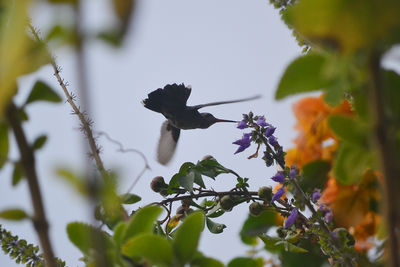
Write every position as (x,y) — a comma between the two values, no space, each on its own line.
(28,164)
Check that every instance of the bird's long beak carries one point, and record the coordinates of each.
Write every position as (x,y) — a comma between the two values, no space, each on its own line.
(219,120)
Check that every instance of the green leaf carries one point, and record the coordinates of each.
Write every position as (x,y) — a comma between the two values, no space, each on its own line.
(153,248)
(142,221)
(18,173)
(13,214)
(187,237)
(119,232)
(42,92)
(391,81)
(351,162)
(349,130)
(74,180)
(4,143)
(304,74)
(130,198)
(270,243)
(186,181)
(315,175)
(254,226)
(215,228)
(211,168)
(82,235)
(39,142)
(244,262)
(206,262)
(198,179)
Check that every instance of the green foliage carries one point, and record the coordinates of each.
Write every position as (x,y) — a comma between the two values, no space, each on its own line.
(245,262)
(42,92)
(39,142)
(315,175)
(215,228)
(142,221)
(255,226)
(4,143)
(349,130)
(187,237)
(130,198)
(18,174)
(304,74)
(21,252)
(155,249)
(13,214)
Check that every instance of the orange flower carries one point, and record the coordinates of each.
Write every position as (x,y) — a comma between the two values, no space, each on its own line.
(315,139)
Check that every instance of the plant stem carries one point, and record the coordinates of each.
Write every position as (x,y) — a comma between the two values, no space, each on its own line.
(385,142)
(28,164)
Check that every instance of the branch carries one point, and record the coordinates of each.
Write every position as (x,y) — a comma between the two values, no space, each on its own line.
(85,122)
(28,164)
(385,143)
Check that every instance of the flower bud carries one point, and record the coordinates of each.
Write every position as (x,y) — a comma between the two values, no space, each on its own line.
(265,193)
(226,203)
(158,184)
(207,157)
(256,208)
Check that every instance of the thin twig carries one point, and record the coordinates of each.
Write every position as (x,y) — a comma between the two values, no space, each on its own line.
(28,164)
(125,150)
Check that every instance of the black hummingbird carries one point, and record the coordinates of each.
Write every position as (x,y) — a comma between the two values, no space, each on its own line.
(171,102)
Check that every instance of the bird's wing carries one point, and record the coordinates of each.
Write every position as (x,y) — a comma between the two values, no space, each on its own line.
(167,144)
(226,102)
(169,99)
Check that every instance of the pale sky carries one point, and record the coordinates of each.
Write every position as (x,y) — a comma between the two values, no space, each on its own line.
(225,49)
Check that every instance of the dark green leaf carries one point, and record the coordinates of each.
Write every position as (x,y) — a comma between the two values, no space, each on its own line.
(211,168)
(142,221)
(82,235)
(313,257)
(215,228)
(254,226)
(198,179)
(270,243)
(315,175)
(155,249)
(39,142)
(349,130)
(245,262)
(4,143)
(17,174)
(130,198)
(206,262)
(187,237)
(23,116)
(42,92)
(304,74)
(13,214)
(351,162)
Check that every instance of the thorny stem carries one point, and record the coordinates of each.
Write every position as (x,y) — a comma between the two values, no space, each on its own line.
(28,164)
(385,143)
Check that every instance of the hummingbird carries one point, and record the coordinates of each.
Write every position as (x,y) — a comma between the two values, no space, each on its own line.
(171,102)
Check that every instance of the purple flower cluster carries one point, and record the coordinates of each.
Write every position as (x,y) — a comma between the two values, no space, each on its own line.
(316,195)
(291,219)
(327,212)
(278,193)
(243,143)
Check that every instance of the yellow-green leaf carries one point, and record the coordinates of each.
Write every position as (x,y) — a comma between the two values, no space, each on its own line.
(13,214)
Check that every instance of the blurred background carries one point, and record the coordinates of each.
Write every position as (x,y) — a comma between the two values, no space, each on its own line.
(224,49)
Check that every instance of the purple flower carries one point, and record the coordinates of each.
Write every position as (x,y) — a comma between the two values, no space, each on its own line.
(279,177)
(261,121)
(278,193)
(316,195)
(273,141)
(328,217)
(243,143)
(269,131)
(293,172)
(242,125)
(291,219)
